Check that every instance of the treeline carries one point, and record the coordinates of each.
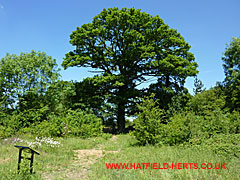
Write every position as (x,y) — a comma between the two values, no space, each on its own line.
(34,100)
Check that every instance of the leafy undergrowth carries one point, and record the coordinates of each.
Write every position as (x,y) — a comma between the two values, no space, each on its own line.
(75,158)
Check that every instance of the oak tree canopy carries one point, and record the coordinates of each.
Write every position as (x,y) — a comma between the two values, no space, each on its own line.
(126,47)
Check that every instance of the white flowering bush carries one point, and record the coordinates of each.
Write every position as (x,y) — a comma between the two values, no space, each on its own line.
(12,140)
(38,142)
(50,142)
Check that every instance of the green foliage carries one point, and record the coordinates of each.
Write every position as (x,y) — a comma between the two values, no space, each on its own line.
(189,127)
(207,101)
(77,123)
(14,123)
(148,125)
(6,131)
(25,78)
(234,122)
(231,66)
(91,94)
(125,46)
(50,128)
(106,136)
(60,96)
(198,86)
(178,103)
(83,124)
(177,130)
(184,127)
(221,144)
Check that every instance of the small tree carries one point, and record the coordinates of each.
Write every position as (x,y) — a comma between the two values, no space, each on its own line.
(198,86)
(149,122)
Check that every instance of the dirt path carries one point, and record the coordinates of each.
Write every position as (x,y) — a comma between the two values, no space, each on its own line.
(2,161)
(86,158)
(80,167)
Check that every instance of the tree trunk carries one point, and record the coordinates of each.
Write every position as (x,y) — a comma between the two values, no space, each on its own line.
(121,117)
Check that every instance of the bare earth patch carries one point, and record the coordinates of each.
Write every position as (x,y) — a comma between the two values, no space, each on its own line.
(2,161)
(87,157)
(80,167)
(114,139)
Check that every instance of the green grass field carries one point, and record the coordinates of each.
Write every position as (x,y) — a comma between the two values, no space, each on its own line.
(77,158)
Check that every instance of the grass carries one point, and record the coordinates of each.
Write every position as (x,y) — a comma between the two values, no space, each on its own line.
(63,162)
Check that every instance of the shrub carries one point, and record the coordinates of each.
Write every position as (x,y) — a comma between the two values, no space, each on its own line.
(5,132)
(77,123)
(6,129)
(234,122)
(148,124)
(50,128)
(83,124)
(207,101)
(185,127)
(178,129)
(221,144)
(106,136)
(20,122)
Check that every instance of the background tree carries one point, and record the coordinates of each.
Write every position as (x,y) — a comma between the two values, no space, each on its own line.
(59,97)
(127,47)
(206,102)
(198,86)
(231,66)
(25,78)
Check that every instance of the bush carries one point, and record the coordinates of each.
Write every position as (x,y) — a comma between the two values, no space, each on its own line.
(234,122)
(5,132)
(50,128)
(148,124)
(11,124)
(6,129)
(184,127)
(221,144)
(83,124)
(177,130)
(207,101)
(106,136)
(77,123)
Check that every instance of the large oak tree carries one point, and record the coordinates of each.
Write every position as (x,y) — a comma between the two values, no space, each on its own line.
(126,47)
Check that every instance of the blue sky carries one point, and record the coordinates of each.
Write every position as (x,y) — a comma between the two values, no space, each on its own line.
(45,25)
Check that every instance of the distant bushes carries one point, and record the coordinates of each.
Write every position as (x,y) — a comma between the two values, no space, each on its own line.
(222,144)
(184,127)
(207,101)
(77,123)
